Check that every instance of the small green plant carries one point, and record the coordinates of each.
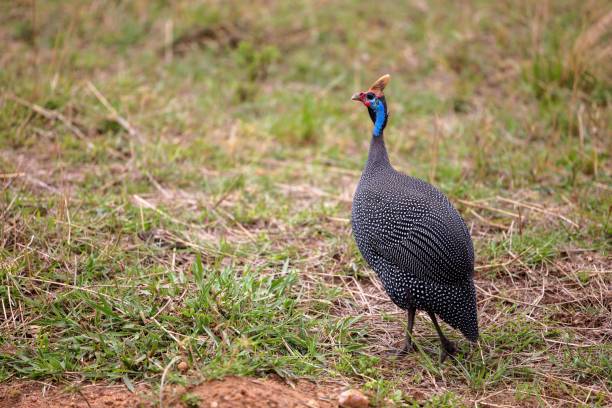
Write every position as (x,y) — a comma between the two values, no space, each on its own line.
(444,400)
(191,400)
(254,63)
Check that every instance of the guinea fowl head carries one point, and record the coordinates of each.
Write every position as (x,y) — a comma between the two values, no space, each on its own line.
(374,100)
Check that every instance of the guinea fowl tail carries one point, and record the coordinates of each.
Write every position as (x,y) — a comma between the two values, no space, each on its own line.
(456,305)
(467,321)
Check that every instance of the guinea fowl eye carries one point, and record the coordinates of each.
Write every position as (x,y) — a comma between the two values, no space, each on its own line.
(370,95)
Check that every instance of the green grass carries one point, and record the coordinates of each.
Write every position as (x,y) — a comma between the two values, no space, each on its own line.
(192,199)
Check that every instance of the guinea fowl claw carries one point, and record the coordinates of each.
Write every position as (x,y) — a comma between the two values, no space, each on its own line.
(408,348)
(448,349)
(402,352)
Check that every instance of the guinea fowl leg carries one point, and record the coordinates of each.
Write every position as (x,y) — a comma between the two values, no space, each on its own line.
(448,348)
(409,345)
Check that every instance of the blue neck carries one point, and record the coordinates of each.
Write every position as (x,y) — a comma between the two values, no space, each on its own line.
(381,117)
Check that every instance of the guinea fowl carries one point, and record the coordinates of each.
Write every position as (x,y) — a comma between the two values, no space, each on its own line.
(413,238)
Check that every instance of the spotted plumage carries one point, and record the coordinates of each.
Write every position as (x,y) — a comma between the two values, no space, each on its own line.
(412,237)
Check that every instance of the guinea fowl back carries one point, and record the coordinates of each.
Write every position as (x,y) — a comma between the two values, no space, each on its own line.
(413,238)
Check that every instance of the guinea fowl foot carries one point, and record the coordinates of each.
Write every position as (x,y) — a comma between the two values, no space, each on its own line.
(409,347)
(448,349)
(402,352)
(405,350)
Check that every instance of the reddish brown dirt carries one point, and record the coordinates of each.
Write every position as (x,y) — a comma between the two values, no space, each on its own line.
(35,395)
(232,392)
(260,393)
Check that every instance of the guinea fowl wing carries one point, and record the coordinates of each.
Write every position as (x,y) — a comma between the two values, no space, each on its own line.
(426,237)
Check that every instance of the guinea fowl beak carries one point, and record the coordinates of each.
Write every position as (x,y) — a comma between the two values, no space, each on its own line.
(355,97)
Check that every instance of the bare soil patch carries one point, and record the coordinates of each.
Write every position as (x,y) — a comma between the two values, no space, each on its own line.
(36,395)
(228,392)
(259,393)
